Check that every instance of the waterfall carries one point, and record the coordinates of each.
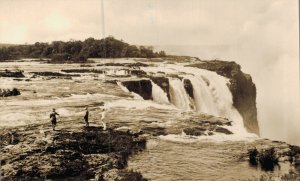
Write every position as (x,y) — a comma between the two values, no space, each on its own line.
(158,94)
(212,96)
(204,99)
(178,94)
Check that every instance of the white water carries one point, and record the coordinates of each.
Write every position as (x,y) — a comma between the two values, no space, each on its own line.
(204,99)
(211,94)
(178,94)
(158,94)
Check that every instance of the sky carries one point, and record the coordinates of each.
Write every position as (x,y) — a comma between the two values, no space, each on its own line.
(261,35)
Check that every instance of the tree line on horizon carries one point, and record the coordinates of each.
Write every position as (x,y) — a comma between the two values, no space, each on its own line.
(78,51)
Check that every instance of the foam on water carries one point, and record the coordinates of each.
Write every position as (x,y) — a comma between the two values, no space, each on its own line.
(217,137)
(137,104)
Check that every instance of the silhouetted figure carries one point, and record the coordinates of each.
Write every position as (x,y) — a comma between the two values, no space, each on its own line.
(53,119)
(86,117)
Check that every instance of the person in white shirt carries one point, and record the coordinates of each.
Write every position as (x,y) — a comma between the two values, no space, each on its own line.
(103,114)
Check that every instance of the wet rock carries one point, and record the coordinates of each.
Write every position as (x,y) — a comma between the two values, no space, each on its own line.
(7,92)
(86,65)
(188,87)
(195,131)
(141,87)
(54,74)
(253,153)
(138,64)
(83,71)
(222,130)
(138,72)
(78,154)
(7,73)
(271,153)
(242,88)
(268,159)
(111,81)
(123,175)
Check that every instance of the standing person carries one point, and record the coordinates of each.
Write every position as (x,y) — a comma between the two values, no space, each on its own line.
(86,117)
(103,113)
(53,118)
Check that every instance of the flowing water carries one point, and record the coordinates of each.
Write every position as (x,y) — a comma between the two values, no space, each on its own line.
(158,94)
(178,94)
(169,157)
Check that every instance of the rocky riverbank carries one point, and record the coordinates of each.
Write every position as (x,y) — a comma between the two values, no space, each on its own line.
(35,152)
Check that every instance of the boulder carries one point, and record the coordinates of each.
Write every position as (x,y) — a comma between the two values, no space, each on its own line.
(8,92)
(222,130)
(195,131)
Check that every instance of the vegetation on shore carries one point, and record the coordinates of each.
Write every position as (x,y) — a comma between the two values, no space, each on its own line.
(78,51)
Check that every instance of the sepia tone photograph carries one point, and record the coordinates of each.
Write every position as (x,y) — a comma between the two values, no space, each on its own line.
(149,90)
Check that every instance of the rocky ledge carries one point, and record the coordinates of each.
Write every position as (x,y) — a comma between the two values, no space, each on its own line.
(35,152)
(8,92)
(8,73)
(270,155)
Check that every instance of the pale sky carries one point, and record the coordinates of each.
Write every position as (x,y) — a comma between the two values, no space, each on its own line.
(153,22)
(261,35)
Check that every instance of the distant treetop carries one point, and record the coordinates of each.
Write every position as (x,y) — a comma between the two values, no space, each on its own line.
(79,50)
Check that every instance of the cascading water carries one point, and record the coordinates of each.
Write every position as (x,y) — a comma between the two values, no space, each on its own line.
(178,94)
(211,94)
(158,94)
(203,97)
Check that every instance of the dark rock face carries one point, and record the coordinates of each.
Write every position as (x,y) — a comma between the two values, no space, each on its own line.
(7,92)
(163,83)
(7,73)
(188,87)
(141,87)
(242,88)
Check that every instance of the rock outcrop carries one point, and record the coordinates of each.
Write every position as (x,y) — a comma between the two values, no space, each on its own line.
(268,154)
(36,153)
(242,88)
(8,73)
(8,92)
